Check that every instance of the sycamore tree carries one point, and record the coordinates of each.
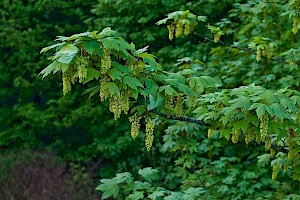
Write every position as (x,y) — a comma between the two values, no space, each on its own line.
(231,116)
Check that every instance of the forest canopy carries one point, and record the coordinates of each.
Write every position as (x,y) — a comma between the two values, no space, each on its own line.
(164,99)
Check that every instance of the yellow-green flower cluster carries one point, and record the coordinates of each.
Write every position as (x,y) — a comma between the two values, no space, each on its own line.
(171,29)
(249,136)
(193,101)
(178,28)
(210,133)
(135,125)
(115,107)
(235,136)
(275,172)
(178,105)
(295,24)
(268,142)
(66,81)
(105,61)
(258,54)
(149,133)
(125,101)
(217,38)
(82,63)
(82,73)
(104,93)
(169,102)
(264,127)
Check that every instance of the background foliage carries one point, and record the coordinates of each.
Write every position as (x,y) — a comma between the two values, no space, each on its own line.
(183,162)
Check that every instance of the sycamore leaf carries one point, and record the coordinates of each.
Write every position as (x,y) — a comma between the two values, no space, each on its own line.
(154,103)
(50,68)
(52,47)
(186,90)
(202,18)
(107,32)
(149,174)
(132,82)
(121,68)
(111,43)
(66,58)
(91,75)
(75,36)
(224,133)
(278,111)
(95,90)
(125,177)
(168,90)
(68,49)
(109,187)
(240,125)
(241,102)
(90,46)
(151,87)
(156,194)
(115,74)
(287,103)
(174,196)
(112,88)
(139,51)
(136,195)
(195,192)
(162,21)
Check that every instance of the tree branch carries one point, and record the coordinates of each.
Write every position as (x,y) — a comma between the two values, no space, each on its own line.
(239,48)
(180,118)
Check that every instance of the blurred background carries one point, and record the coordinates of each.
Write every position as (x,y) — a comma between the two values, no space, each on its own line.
(58,147)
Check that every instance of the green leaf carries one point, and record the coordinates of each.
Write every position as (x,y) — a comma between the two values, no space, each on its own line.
(92,91)
(168,90)
(115,74)
(241,102)
(240,125)
(151,87)
(224,133)
(174,196)
(68,49)
(154,103)
(186,90)
(125,177)
(156,194)
(112,88)
(260,109)
(90,46)
(50,68)
(111,43)
(132,82)
(91,75)
(136,195)
(76,36)
(195,192)
(107,32)
(139,51)
(149,174)
(52,47)
(287,103)
(67,58)
(121,68)
(109,187)
(278,111)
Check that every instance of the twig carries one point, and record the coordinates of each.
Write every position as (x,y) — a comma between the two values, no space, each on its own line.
(180,118)
(239,48)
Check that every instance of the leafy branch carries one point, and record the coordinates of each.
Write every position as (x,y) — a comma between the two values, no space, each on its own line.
(179,118)
(279,60)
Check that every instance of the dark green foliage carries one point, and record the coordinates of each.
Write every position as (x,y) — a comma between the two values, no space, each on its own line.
(234,68)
